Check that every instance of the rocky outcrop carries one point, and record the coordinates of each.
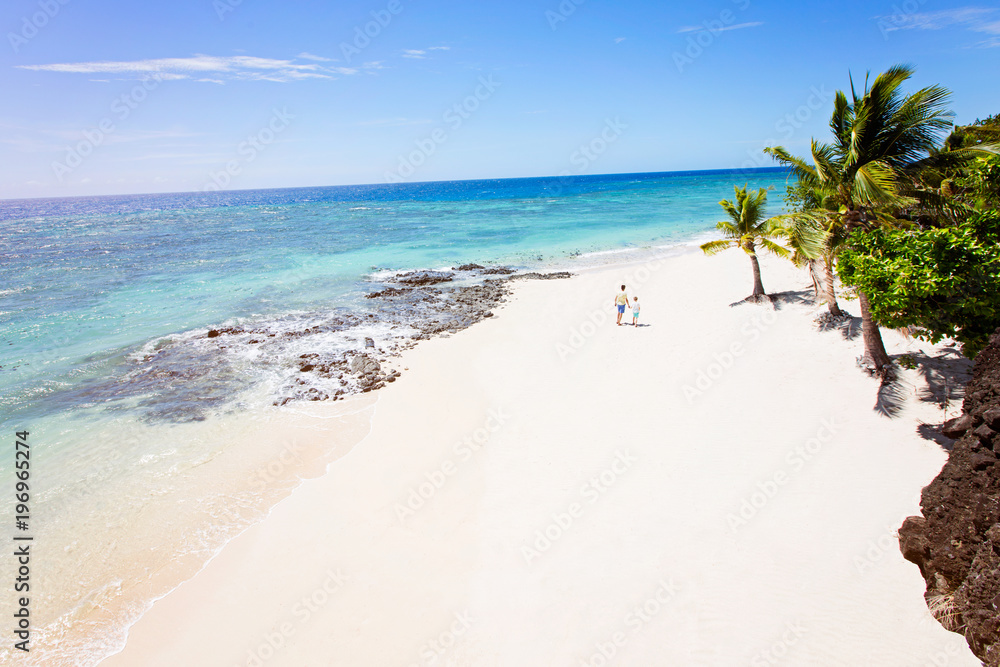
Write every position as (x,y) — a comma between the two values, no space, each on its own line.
(956,543)
(424,278)
(534,275)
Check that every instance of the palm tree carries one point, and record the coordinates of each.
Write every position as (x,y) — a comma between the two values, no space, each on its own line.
(878,137)
(806,236)
(815,221)
(747,229)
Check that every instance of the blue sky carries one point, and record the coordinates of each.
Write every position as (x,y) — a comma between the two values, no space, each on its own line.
(104,97)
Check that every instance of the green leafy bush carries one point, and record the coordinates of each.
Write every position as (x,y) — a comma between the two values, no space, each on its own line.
(943,282)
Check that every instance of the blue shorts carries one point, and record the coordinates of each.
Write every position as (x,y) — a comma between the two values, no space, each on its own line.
(621,309)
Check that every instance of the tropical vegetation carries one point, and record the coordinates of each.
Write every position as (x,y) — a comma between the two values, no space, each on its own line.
(748,230)
(942,281)
(887,168)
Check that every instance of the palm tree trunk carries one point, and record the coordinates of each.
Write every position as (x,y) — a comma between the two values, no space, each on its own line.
(831,297)
(875,353)
(817,281)
(758,286)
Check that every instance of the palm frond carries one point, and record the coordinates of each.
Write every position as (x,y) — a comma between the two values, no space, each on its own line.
(952,159)
(778,250)
(840,121)
(875,185)
(800,168)
(804,232)
(825,158)
(728,229)
(715,247)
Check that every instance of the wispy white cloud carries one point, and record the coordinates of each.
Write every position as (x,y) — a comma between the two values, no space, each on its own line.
(993,27)
(935,20)
(976,19)
(421,54)
(230,67)
(619,40)
(737,26)
(309,56)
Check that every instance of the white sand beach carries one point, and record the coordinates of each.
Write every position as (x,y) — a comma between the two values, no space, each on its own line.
(546,488)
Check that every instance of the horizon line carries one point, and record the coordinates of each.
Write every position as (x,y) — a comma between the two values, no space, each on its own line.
(401,184)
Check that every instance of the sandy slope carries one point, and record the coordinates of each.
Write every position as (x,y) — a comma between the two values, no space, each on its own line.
(656,495)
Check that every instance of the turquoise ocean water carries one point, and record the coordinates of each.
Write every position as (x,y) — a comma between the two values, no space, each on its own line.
(90,285)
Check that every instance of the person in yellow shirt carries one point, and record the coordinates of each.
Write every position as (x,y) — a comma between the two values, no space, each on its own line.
(621,301)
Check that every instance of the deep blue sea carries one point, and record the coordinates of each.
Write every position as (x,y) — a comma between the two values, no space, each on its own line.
(91,286)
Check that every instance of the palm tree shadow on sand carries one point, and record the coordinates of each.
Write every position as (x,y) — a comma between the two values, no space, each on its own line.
(758,300)
(802,297)
(848,325)
(944,375)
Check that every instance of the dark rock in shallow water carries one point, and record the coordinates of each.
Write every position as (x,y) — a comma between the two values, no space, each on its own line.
(215,333)
(468,267)
(956,543)
(420,305)
(362,364)
(424,278)
(534,275)
(387,292)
